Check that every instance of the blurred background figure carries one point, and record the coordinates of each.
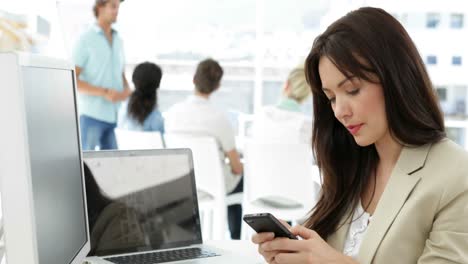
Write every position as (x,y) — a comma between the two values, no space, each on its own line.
(197,116)
(285,122)
(23,32)
(13,35)
(100,63)
(141,112)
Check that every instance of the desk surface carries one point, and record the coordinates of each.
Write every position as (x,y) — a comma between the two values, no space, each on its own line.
(241,247)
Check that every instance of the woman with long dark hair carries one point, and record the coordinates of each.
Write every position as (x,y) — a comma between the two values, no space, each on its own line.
(140,112)
(395,189)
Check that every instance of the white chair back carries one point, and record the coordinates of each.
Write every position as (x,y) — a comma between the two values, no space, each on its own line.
(280,179)
(209,179)
(127,139)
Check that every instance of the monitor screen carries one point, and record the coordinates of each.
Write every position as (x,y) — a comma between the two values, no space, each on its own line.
(55,161)
(141,200)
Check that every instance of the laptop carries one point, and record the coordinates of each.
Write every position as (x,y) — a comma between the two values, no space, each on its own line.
(142,208)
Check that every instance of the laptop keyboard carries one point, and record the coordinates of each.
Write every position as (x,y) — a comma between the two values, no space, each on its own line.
(163,256)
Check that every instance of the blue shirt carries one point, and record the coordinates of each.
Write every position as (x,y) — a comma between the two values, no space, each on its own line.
(102,65)
(153,122)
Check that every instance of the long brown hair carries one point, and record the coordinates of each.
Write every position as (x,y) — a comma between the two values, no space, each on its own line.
(366,43)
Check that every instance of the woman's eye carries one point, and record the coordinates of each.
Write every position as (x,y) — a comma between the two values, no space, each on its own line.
(331,100)
(354,92)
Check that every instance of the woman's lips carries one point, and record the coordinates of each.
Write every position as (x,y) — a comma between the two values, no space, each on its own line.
(354,129)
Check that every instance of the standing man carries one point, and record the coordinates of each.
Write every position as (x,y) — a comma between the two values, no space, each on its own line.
(99,61)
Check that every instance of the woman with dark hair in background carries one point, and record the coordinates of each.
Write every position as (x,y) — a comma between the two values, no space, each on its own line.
(395,189)
(140,112)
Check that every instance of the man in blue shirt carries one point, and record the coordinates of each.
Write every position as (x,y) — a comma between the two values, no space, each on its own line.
(99,61)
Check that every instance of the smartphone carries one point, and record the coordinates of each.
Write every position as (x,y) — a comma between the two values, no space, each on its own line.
(266,222)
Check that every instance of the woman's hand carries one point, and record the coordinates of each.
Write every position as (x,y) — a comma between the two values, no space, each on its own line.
(312,249)
(261,238)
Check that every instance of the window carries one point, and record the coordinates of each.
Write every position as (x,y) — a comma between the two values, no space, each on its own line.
(204,28)
(404,18)
(431,60)
(457,60)
(442,93)
(456,134)
(456,20)
(256,54)
(433,20)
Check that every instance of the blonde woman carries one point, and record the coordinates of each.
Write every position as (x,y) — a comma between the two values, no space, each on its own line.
(284,122)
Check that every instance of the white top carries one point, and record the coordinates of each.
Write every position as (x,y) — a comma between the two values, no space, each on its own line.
(273,124)
(356,232)
(197,116)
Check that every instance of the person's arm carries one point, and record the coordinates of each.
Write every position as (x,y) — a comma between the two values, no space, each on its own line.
(86,88)
(234,162)
(126,92)
(448,239)
(224,133)
(116,96)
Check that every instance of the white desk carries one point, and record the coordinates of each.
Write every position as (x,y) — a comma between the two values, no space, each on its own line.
(241,247)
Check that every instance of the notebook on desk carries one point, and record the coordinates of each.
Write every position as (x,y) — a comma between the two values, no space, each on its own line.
(142,208)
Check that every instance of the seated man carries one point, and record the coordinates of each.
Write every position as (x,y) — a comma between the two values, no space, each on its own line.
(197,116)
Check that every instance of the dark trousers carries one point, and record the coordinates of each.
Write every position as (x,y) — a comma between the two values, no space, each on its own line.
(235,213)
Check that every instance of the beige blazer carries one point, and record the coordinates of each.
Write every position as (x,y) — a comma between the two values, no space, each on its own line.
(422,216)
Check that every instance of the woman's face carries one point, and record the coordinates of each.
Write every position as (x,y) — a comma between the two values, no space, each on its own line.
(358,104)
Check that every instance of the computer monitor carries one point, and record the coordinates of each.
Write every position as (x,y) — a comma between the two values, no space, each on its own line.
(42,185)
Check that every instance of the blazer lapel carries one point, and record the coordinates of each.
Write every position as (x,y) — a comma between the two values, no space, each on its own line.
(401,183)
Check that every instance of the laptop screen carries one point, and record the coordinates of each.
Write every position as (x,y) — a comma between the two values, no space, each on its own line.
(141,200)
